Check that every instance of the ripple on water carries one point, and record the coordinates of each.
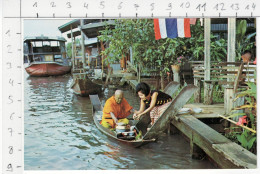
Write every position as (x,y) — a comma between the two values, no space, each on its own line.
(60,134)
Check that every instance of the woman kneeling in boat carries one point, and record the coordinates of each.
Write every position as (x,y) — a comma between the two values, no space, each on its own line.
(116,108)
(155,102)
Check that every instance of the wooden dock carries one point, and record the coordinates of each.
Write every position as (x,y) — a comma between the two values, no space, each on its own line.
(221,150)
(205,140)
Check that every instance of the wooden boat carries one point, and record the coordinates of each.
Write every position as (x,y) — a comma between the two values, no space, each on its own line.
(97,117)
(158,127)
(83,86)
(46,56)
(143,123)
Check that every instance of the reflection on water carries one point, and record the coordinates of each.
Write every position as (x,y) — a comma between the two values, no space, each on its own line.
(60,134)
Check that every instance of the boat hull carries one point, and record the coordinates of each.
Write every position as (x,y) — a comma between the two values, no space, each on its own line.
(84,87)
(47,69)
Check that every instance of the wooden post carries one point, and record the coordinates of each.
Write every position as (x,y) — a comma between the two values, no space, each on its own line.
(208,99)
(207,87)
(108,75)
(162,81)
(197,94)
(139,73)
(157,82)
(102,66)
(99,51)
(88,61)
(176,71)
(72,50)
(231,39)
(82,43)
(229,92)
(196,152)
(173,130)
(176,77)
(102,58)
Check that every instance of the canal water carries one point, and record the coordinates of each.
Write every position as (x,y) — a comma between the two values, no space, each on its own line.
(60,134)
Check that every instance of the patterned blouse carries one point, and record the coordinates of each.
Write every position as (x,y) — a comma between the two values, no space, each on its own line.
(162,98)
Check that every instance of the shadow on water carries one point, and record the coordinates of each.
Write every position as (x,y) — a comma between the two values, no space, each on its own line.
(60,134)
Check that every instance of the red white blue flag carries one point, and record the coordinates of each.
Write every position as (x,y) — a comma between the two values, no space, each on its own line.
(171,28)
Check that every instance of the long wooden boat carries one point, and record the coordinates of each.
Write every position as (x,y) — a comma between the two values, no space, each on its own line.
(97,117)
(142,125)
(83,86)
(45,56)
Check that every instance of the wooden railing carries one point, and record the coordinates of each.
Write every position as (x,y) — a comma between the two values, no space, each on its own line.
(231,75)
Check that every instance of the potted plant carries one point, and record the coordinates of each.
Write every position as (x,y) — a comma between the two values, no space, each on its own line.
(176,66)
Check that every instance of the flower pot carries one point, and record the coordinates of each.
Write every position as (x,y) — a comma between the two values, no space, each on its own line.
(175,68)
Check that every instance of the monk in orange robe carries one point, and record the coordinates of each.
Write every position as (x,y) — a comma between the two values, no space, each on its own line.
(118,106)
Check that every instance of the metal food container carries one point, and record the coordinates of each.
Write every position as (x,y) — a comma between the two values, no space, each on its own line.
(120,129)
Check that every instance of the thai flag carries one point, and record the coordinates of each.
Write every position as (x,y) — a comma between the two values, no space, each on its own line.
(171,28)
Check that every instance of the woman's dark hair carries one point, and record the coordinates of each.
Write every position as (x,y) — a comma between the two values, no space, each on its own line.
(143,87)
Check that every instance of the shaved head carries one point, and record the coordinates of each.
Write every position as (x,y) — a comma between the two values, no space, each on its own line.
(119,95)
(119,92)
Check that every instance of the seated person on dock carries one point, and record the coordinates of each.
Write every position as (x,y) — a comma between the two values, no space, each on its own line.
(246,56)
(155,102)
(116,107)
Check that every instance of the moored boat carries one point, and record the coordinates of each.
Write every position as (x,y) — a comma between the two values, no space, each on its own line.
(158,127)
(46,56)
(83,86)
(97,117)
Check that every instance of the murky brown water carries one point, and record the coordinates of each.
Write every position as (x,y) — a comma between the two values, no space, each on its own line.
(60,134)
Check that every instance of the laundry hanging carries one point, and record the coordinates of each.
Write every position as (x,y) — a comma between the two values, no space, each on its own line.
(171,28)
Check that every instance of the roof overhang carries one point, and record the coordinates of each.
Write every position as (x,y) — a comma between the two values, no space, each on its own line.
(44,38)
(75,23)
(91,29)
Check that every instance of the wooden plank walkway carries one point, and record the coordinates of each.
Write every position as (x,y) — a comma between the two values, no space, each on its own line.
(224,152)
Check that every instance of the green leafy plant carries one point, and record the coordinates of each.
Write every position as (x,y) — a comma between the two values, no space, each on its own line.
(156,55)
(69,47)
(247,139)
(243,38)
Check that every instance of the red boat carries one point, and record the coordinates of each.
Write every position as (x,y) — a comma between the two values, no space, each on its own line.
(45,56)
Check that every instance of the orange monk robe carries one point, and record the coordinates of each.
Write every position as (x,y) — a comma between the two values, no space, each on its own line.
(121,110)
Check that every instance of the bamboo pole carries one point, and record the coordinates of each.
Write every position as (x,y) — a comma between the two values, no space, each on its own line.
(252,130)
